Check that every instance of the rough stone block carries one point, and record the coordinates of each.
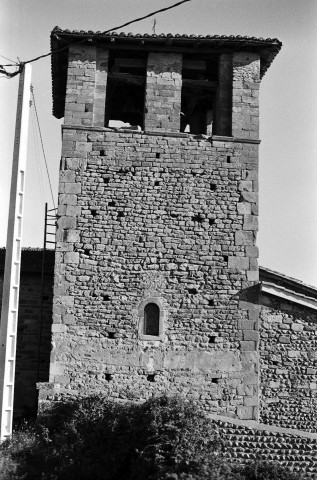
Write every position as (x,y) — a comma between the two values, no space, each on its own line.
(245,186)
(247,345)
(65,300)
(244,208)
(311,371)
(67,199)
(74,188)
(284,339)
(253,276)
(252,251)
(59,328)
(250,222)
(245,413)
(71,257)
(62,379)
(66,176)
(293,353)
(238,263)
(68,319)
(251,401)
(251,335)
(251,197)
(67,222)
(72,236)
(246,324)
(244,238)
(245,390)
(297,327)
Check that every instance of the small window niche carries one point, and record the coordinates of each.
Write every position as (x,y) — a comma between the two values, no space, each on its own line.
(199,87)
(151,319)
(125,94)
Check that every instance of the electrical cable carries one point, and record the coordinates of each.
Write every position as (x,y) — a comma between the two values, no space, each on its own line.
(57,50)
(38,124)
(37,153)
(2,56)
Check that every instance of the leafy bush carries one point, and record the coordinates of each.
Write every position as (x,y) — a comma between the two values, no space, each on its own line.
(92,438)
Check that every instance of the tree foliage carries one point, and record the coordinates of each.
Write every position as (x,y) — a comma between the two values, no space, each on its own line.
(165,438)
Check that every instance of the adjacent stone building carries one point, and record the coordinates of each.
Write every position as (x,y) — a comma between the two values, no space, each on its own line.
(157,220)
(34,326)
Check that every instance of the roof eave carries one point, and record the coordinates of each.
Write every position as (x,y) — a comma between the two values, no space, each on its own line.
(268,49)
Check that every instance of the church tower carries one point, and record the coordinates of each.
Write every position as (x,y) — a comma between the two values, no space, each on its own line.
(157,218)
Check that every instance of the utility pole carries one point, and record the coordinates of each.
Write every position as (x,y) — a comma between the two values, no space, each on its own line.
(11,284)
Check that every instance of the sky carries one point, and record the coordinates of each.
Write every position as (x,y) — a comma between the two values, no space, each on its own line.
(287,237)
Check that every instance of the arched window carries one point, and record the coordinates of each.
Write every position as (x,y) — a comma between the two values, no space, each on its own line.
(152,315)
(151,319)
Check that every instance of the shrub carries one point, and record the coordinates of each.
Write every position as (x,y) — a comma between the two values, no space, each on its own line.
(165,438)
(106,440)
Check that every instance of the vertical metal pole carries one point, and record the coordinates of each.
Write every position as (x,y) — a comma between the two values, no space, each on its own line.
(41,300)
(11,285)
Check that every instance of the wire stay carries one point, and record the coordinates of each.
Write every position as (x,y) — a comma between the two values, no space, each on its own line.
(57,50)
(41,139)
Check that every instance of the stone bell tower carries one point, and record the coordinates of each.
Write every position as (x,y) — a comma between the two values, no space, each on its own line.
(158,214)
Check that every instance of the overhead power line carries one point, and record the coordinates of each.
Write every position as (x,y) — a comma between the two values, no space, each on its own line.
(2,56)
(38,124)
(56,50)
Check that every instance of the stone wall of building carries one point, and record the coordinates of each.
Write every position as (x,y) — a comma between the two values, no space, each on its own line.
(245,95)
(86,85)
(250,441)
(33,336)
(162,217)
(288,350)
(165,216)
(163,91)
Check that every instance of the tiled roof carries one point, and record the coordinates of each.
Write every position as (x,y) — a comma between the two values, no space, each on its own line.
(91,33)
(31,260)
(267,48)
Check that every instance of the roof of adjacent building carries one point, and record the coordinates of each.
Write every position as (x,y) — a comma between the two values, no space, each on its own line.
(268,276)
(287,288)
(31,260)
(267,48)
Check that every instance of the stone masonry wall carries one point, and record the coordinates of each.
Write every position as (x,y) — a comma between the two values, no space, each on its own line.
(223,118)
(249,441)
(245,95)
(32,356)
(165,216)
(86,85)
(163,92)
(288,350)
